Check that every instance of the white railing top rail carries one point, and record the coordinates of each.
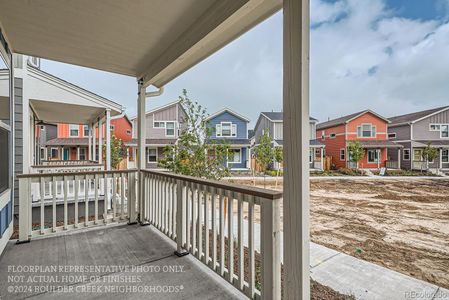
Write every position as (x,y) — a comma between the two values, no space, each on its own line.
(99,172)
(238,188)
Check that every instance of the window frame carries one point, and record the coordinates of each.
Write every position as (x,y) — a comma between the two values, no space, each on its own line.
(434,124)
(393,134)
(230,128)
(240,156)
(332,135)
(148,155)
(375,151)
(441,131)
(373,129)
(342,151)
(447,155)
(86,130)
(51,153)
(403,154)
(85,153)
(71,127)
(420,155)
(167,129)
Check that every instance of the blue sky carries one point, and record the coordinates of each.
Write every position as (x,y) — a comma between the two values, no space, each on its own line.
(390,56)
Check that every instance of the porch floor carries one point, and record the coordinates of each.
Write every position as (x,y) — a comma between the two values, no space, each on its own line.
(108,248)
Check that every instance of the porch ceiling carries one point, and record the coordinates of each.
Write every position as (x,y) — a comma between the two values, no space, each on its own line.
(154,40)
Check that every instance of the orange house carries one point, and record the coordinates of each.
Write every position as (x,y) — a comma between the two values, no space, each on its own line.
(71,142)
(367,127)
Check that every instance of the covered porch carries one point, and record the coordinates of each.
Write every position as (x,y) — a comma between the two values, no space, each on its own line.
(378,154)
(155,42)
(420,163)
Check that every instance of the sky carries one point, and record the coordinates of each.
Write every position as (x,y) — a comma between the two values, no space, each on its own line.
(391,56)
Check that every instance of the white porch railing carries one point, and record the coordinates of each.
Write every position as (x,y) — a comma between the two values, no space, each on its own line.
(67,162)
(77,189)
(66,168)
(199,215)
(419,165)
(392,164)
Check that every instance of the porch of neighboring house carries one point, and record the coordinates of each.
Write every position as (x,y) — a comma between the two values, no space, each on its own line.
(155,150)
(377,154)
(316,156)
(418,161)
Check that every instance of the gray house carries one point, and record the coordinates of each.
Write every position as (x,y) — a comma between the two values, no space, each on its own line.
(273,121)
(415,131)
(163,126)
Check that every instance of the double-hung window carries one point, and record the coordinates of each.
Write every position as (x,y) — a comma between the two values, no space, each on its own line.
(417,154)
(445,155)
(54,153)
(226,129)
(82,154)
(342,154)
(74,130)
(86,130)
(445,131)
(406,154)
(366,131)
(152,155)
(235,156)
(170,128)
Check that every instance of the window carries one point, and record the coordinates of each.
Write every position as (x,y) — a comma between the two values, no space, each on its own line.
(152,155)
(373,156)
(234,156)
(74,130)
(159,125)
(342,154)
(112,127)
(317,152)
(445,155)
(445,131)
(417,154)
(86,130)
(406,154)
(323,134)
(170,129)
(366,130)
(4,153)
(434,127)
(332,135)
(310,156)
(5,128)
(226,129)
(82,154)
(392,135)
(42,153)
(42,127)
(128,132)
(54,153)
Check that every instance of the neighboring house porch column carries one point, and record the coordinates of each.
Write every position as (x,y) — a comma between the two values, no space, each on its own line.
(399,158)
(296,152)
(441,158)
(77,152)
(379,157)
(89,148)
(108,139)
(322,158)
(100,141)
(94,142)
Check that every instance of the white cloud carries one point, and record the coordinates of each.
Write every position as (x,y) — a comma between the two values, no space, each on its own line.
(373,59)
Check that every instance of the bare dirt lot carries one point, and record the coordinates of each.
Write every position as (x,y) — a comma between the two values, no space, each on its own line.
(401,225)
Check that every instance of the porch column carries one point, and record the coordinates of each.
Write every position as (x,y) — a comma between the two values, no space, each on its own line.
(100,142)
(108,139)
(379,153)
(296,140)
(141,143)
(77,152)
(399,158)
(441,158)
(89,148)
(94,142)
(322,158)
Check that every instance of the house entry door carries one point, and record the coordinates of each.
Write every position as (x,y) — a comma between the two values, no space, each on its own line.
(66,154)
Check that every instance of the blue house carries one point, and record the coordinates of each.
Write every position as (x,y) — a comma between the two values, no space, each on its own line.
(232,128)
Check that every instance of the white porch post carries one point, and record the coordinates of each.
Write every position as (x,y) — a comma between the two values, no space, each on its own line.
(100,142)
(378,158)
(94,142)
(441,158)
(77,152)
(108,139)
(322,158)
(296,139)
(399,158)
(141,143)
(89,148)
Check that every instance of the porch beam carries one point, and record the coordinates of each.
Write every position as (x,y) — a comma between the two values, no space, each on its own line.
(296,139)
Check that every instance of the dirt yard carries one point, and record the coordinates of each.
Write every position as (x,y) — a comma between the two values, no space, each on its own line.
(401,225)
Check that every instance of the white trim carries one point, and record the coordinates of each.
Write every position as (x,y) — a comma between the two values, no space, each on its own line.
(229,111)
(332,135)
(368,111)
(441,131)
(174,129)
(148,155)
(5,197)
(429,115)
(434,124)
(231,130)
(78,130)
(51,152)
(6,235)
(361,131)
(393,135)
(409,154)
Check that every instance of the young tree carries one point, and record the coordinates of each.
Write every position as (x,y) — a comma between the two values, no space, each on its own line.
(118,151)
(196,154)
(429,154)
(264,152)
(279,158)
(355,152)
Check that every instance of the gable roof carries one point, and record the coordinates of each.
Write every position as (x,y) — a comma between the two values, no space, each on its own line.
(416,116)
(229,111)
(165,106)
(347,118)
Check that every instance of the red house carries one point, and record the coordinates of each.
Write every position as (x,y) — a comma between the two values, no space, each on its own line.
(367,127)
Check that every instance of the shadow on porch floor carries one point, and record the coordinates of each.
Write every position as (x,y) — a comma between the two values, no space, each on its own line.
(119,262)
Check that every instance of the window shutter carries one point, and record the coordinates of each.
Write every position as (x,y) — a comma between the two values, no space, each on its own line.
(234,130)
(218,130)
(373,131)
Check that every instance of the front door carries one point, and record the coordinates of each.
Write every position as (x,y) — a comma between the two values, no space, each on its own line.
(66,153)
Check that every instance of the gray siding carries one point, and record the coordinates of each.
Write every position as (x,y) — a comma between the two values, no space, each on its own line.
(402,132)
(18,138)
(421,128)
(278,130)
(262,124)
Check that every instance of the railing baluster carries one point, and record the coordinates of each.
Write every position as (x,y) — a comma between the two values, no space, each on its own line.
(230,196)
(241,256)
(77,187)
(105,198)
(42,187)
(96,198)
(251,263)
(222,232)
(159,202)
(86,200)
(65,202)
(199,221)
(214,228)
(53,192)
(207,194)
(122,192)
(194,217)
(187,217)
(163,205)
(114,197)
